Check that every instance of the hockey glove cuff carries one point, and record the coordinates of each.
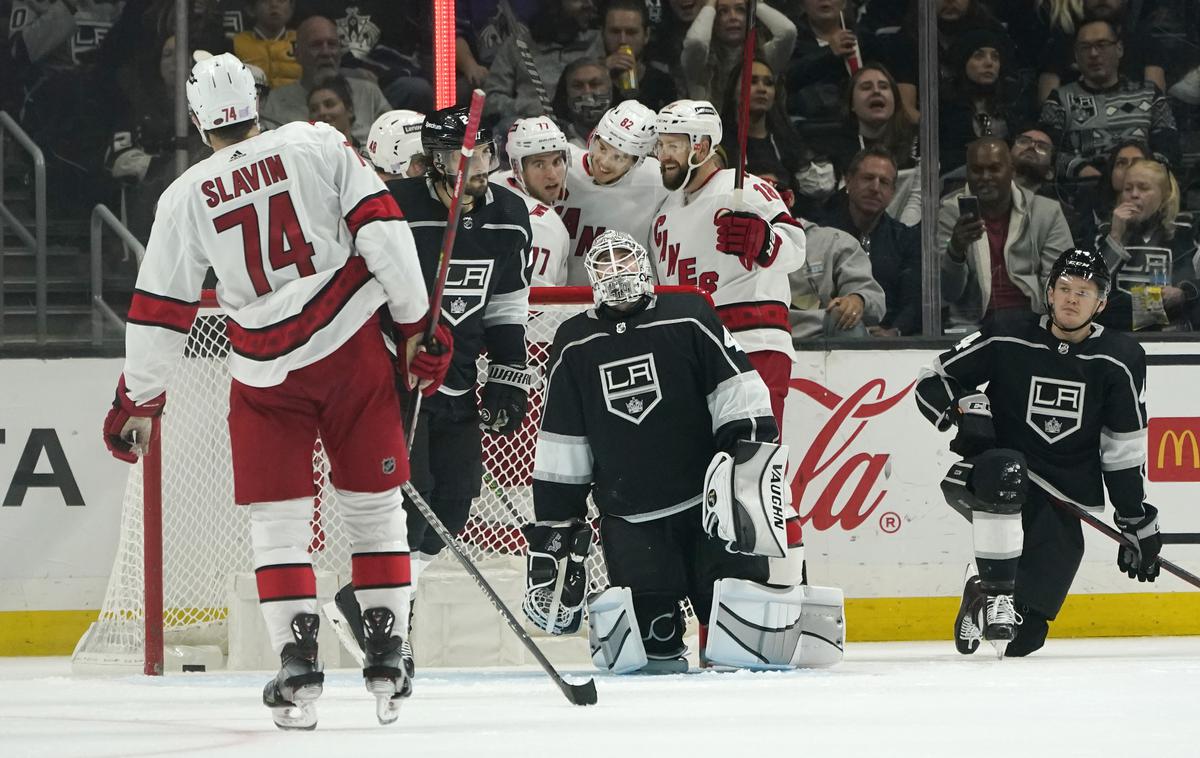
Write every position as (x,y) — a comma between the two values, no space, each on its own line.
(129,426)
(1141,559)
(422,365)
(747,236)
(976,433)
(504,398)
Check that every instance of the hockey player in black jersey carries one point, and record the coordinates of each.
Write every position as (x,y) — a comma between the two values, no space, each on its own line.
(486,303)
(655,411)
(1063,417)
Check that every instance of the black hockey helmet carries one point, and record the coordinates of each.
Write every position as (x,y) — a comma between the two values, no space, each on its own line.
(442,139)
(1087,264)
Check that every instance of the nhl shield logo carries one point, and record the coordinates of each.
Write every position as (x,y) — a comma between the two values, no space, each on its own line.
(388,466)
(467,285)
(631,387)
(1055,407)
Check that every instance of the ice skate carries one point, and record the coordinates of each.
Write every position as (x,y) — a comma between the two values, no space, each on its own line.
(999,622)
(292,694)
(967,632)
(383,665)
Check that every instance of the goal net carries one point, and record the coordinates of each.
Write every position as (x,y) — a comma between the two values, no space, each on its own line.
(205,537)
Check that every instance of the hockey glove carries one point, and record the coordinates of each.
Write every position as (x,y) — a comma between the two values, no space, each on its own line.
(129,427)
(1141,560)
(973,416)
(424,365)
(556,577)
(747,236)
(504,398)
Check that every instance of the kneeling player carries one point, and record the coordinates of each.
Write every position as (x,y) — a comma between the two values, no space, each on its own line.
(654,409)
(1063,412)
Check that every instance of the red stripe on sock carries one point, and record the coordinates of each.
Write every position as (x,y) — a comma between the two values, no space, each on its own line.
(378,570)
(287,582)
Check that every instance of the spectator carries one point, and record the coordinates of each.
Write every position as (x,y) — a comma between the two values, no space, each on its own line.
(524,75)
(1151,251)
(318,50)
(997,261)
(1096,206)
(1033,163)
(894,248)
(669,24)
(270,45)
(1087,117)
(626,31)
(821,62)
(836,273)
(584,94)
(873,120)
(331,102)
(772,144)
(715,41)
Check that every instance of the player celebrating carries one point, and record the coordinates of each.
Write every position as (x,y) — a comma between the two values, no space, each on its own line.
(394,145)
(298,314)
(636,370)
(1063,418)
(612,185)
(486,303)
(538,152)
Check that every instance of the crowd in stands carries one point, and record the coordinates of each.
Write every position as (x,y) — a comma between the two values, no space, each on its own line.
(1060,122)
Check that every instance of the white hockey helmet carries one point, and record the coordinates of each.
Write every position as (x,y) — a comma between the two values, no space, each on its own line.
(221,92)
(629,127)
(394,139)
(695,118)
(618,269)
(533,136)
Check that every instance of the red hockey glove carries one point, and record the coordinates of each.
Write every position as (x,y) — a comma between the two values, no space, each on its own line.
(129,427)
(745,235)
(424,365)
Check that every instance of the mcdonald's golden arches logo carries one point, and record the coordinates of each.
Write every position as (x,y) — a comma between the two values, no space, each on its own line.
(1174,449)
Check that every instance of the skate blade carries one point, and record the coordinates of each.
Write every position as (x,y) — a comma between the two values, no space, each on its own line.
(342,629)
(1001,646)
(302,713)
(387,702)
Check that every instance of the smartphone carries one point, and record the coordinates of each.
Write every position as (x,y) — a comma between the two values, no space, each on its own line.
(968,205)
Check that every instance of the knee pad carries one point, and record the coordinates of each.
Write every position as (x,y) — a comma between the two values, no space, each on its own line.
(375,521)
(280,531)
(995,481)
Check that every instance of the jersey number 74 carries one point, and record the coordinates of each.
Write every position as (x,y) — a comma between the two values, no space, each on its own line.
(286,244)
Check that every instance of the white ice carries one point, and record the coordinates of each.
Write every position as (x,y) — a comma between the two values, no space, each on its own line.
(1098,697)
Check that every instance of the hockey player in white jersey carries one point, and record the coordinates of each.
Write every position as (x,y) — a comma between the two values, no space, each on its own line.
(307,245)
(538,153)
(613,185)
(741,256)
(394,145)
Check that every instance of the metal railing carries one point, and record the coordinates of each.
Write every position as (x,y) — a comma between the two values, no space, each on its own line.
(101,311)
(37,240)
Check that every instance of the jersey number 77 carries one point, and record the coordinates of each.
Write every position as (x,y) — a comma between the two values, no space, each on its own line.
(286,244)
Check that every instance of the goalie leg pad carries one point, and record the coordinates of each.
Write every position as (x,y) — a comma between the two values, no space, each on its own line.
(822,626)
(754,626)
(746,498)
(614,636)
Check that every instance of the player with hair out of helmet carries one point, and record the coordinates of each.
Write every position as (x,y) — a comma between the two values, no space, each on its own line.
(538,154)
(1063,418)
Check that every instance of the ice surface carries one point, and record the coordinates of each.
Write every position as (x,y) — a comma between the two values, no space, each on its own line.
(1095,698)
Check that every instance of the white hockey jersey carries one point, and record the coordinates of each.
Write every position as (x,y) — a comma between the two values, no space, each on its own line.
(590,209)
(306,243)
(682,242)
(548,249)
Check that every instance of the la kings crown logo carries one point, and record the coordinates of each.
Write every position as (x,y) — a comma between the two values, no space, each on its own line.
(466,289)
(631,387)
(1055,407)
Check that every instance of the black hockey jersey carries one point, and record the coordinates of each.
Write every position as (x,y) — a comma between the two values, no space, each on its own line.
(1077,412)
(636,407)
(486,300)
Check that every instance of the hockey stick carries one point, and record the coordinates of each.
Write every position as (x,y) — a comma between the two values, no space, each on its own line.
(1091,520)
(577,694)
(739,176)
(452,219)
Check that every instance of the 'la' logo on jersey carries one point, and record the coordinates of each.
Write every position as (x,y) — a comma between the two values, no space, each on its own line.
(631,387)
(466,289)
(1055,407)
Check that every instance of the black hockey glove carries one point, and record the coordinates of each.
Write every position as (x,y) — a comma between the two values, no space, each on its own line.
(556,579)
(504,398)
(973,416)
(1141,560)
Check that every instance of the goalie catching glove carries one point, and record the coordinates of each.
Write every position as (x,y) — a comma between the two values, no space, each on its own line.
(504,398)
(129,426)
(746,498)
(424,365)
(556,576)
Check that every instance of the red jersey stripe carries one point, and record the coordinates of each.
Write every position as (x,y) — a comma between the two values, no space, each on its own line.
(149,309)
(378,207)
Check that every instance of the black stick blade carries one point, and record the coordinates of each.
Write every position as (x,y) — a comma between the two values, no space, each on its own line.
(580,694)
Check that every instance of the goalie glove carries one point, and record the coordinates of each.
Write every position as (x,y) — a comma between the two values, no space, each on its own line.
(976,433)
(129,426)
(556,576)
(1140,561)
(504,398)
(746,499)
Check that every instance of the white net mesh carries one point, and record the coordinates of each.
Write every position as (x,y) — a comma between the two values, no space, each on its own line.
(206,538)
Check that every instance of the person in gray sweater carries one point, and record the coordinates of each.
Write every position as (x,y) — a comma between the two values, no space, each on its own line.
(833,293)
(713,45)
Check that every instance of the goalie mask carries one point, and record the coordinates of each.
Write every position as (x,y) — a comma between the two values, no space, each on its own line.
(618,269)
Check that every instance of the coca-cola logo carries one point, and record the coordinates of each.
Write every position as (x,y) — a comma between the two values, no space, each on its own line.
(850,495)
